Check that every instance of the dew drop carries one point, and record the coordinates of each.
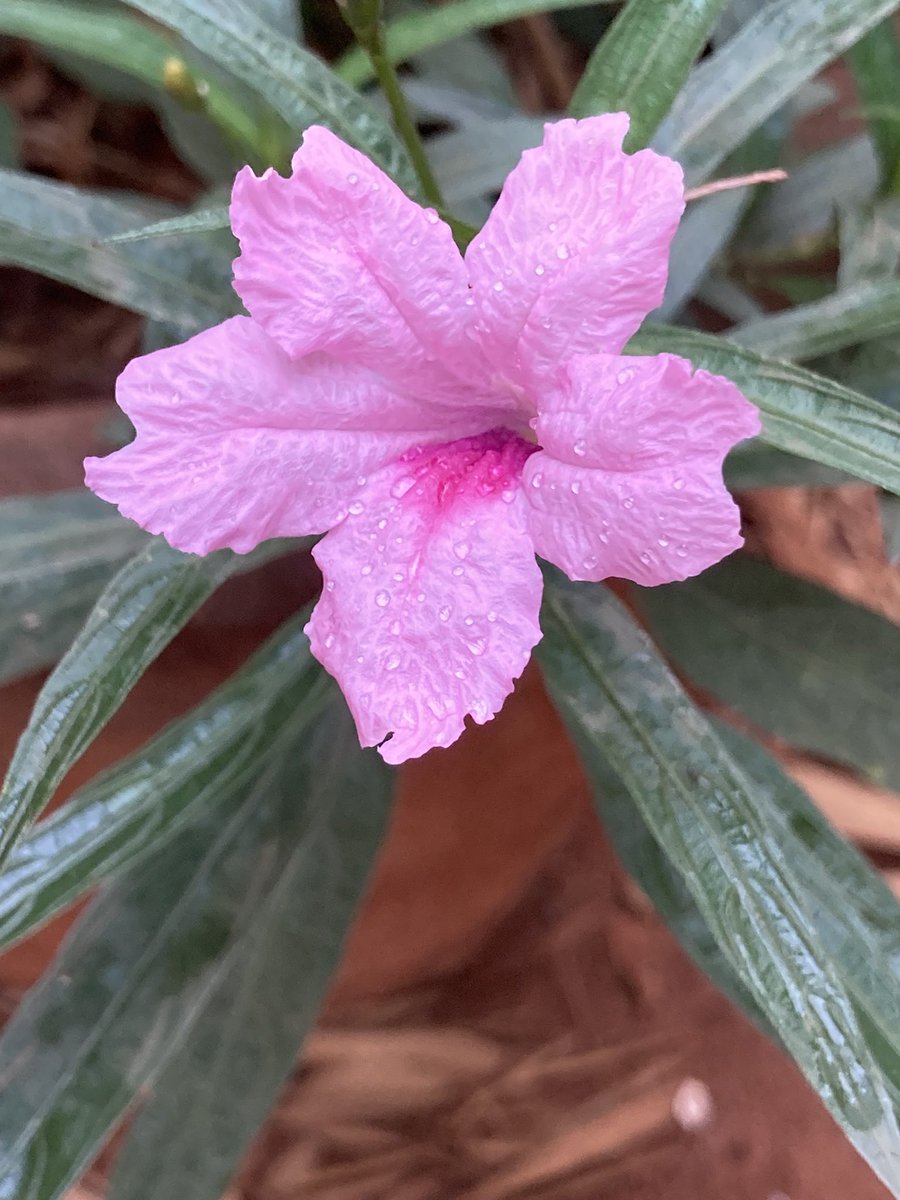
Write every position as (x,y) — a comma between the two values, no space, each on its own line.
(459,673)
(461,549)
(392,663)
(382,524)
(645,558)
(360,659)
(436,706)
(575,487)
(329,641)
(590,562)
(628,502)
(663,541)
(420,598)
(580,448)
(457,571)
(624,376)
(353,178)
(507,497)
(382,599)
(469,621)
(562,251)
(547,323)
(552,227)
(537,479)
(355,508)
(470,301)
(398,577)
(402,486)
(395,628)
(477,647)
(681,551)
(329,586)
(431,216)
(492,616)
(366,570)
(678,485)
(498,286)
(444,614)
(360,481)
(539,269)
(604,538)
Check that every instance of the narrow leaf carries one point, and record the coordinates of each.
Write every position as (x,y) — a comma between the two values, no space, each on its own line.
(202,220)
(795,658)
(148,958)
(186,1141)
(116,39)
(415,32)
(138,614)
(733,91)
(297,84)
(642,61)
(56,554)
(56,230)
(618,698)
(803,413)
(875,62)
(128,812)
(846,318)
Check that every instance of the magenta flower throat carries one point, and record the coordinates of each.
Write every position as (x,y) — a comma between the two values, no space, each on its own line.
(441,419)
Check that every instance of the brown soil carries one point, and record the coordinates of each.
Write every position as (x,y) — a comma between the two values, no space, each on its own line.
(511,1019)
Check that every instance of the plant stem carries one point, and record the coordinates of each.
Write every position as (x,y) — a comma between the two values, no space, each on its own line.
(403,121)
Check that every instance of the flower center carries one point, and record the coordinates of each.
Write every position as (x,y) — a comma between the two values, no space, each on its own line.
(475,467)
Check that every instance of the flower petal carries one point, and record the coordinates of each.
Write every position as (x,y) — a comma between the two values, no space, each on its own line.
(432,592)
(575,252)
(236,443)
(337,258)
(629,481)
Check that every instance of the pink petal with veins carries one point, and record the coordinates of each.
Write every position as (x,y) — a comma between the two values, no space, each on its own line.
(432,593)
(575,253)
(236,443)
(629,480)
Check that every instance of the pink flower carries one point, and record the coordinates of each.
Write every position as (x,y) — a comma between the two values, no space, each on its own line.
(388,392)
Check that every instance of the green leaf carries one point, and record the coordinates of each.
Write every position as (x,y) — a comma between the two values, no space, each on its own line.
(200,220)
(875,62)
(186,1142)
(869,239)
(146,970)
(131,810)
(56,230)
(845,318)
(802,413)
(56,554)
(415,32)
(297,84)
(795,658)
(642,61)
(9,137)
(114,38)
(138,614)
(619,700)
(753,464)
(733,91)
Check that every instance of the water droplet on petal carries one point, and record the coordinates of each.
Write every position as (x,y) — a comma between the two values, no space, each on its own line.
(329,586)
(470,301)
(353,178)
(645,558)
(431,216)
(461,549)
(537,479)
(366,570)
(539,269)
(562,250)
(624,376)
(498,286)
(402,486)
(355,508)
(628,502)
(395,628)
(681,551)
(552,227)
(459,673)
(575,487)
(457,571)
(382,524)
(477,647)
(492,616)
(360,481)
(580,448)
(444,614)
(590,562)
(398,577)
(663,541)
(678,485)
(360,659)
(392,663)
(382,599)
(469,621)
(421,598)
